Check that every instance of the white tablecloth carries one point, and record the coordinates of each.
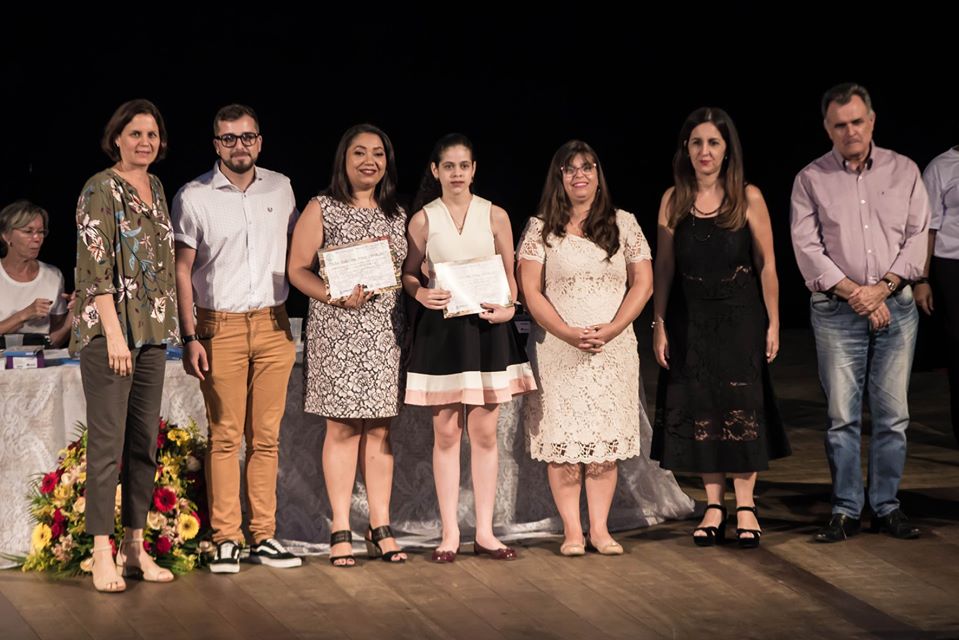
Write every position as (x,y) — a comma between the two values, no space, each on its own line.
(39,410)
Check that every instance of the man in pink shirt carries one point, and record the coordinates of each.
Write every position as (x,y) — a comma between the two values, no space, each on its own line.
(860,218)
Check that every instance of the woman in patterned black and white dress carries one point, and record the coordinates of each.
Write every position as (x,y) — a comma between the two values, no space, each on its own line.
(353,344)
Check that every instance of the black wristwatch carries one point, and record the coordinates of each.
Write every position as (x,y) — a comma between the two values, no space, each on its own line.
(892,286)
(922,280)
(187,339)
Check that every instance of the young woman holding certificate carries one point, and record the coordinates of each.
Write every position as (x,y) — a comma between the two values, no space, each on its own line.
(462,366)
(353,343)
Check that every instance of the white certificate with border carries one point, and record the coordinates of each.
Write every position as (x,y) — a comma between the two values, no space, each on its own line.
(367,262)
(472,282)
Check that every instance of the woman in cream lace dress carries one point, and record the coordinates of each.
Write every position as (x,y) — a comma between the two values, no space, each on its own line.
(585,274)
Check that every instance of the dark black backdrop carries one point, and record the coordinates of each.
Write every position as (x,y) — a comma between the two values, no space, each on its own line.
(519,86)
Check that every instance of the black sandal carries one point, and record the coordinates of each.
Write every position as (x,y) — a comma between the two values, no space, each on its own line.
(714,535)
(749,542)
(373,548)
(339,537)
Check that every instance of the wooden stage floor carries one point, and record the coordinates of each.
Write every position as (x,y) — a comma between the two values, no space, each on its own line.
(871,586)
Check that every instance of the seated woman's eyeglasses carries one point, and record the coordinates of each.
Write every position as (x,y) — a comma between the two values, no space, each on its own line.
(30,232)
(229,139)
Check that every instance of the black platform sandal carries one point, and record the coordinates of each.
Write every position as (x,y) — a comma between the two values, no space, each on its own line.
(338,537)
(748,542)
(373,548)
(714,535)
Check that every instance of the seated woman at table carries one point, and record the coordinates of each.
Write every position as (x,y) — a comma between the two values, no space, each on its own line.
(32,300)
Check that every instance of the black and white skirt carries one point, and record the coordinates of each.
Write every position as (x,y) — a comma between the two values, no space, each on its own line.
(465,360)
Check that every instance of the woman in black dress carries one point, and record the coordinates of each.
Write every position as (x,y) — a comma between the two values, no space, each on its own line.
(715,410)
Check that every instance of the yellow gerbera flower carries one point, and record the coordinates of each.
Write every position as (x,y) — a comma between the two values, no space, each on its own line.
(40,537)
(187,526)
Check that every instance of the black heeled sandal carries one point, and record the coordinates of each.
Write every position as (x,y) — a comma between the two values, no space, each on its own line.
(339,537)
(749,542)
(373,548)
(714,535)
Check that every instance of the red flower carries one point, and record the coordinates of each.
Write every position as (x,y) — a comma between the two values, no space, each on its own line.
(161,440)
(49,483)
(58,517)
(164,500)
(163,546)
(56,530)
(163,424)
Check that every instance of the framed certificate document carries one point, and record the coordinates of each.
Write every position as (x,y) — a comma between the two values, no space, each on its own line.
(472,282)
(367,262)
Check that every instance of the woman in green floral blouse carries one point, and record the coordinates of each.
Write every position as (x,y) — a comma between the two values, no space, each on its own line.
(125,315)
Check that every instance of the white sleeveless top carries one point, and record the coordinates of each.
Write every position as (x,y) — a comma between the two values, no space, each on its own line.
(446,244)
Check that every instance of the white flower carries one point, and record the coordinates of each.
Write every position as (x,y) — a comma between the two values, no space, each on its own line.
(86,565)
(155,520)
(192,464)
(69,477)
(80,505)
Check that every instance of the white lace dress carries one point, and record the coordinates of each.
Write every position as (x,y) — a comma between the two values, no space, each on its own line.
(588,408)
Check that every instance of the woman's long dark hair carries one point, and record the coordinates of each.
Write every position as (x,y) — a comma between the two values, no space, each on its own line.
(385,191)
(430,188)
(555,207)
(732,211)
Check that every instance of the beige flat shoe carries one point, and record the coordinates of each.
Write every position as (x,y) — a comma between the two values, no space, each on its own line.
(107,584)
(611,548)
(571,549)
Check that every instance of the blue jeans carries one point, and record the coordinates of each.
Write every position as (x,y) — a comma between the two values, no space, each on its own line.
(851,356)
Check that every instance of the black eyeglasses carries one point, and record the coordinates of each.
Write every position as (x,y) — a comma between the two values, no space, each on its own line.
(229,139)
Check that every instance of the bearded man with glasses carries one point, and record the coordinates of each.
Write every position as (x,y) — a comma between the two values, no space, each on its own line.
(232,226)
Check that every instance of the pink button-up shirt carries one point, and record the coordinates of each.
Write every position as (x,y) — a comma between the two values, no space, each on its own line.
(859,225)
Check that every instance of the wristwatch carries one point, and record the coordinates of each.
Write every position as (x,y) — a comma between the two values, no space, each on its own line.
(187,339)
(892,286)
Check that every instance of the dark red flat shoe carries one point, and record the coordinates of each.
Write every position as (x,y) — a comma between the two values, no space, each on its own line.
(505,553)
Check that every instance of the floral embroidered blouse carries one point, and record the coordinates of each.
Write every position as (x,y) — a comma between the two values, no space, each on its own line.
(125,248)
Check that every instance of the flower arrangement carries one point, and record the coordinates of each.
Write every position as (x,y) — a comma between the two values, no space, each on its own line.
(175,525)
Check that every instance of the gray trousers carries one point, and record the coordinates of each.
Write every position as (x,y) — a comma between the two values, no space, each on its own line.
(123,419)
